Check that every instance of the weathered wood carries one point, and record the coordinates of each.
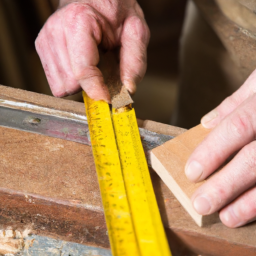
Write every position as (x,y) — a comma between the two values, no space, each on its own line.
(42,100)
(13,242)
(241,12)
(239,41)
(50,186)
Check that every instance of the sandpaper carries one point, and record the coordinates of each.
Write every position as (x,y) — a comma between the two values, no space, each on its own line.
(120,96)
(110,67)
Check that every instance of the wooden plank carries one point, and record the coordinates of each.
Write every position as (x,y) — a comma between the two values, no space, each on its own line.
(42,100)
(49,185)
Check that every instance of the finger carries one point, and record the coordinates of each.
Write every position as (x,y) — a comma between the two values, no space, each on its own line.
(234,132)
(54,56)
(236,177)
(50,65)
(213,118)
(133,52)
(83,34)
(241,211)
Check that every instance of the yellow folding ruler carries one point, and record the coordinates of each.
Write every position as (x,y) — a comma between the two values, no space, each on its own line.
(131,212)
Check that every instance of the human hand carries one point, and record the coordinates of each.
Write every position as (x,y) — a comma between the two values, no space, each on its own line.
(231,190)
(68,45)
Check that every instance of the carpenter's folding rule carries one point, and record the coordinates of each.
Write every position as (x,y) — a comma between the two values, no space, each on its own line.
(131,212)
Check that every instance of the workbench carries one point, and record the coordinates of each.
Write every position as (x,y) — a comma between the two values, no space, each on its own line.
(49,187)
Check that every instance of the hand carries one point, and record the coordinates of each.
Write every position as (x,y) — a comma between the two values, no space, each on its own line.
(68,45)
(231,190)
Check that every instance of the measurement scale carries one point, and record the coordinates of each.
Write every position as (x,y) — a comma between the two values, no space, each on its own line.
(131,212)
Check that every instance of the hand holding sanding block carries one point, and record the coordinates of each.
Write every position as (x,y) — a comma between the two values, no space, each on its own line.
(169,160)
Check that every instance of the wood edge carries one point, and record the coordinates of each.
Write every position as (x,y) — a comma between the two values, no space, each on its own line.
(42,100)
(208,220)
(161,128)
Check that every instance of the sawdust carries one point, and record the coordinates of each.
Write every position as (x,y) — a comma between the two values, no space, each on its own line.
(13,241)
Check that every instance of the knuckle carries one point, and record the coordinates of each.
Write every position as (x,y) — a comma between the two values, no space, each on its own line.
(239,125)
(87,73)
(76,13)
(247,209)
(39,42)
(82,17)
(47,33)
(249,155)
(137,29)
(230,102)
(74,9)
(51,25)
(221,195)
(61,88)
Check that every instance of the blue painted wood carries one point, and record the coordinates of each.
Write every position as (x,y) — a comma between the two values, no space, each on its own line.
(45,246)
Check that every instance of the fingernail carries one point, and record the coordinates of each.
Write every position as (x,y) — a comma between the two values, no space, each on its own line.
(202,205)
(206,121)
(194,171)
(230,218)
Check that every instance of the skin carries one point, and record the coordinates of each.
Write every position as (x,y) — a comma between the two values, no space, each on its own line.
(232,190)
(68,45)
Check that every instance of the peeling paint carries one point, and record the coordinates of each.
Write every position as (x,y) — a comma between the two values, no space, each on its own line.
(44,246)
(17,243)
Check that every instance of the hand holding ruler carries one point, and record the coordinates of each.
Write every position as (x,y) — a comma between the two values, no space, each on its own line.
(131,212)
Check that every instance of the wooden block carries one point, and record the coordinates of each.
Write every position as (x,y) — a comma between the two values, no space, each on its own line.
(169,161)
